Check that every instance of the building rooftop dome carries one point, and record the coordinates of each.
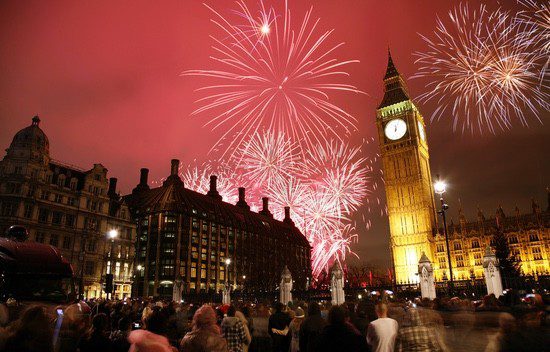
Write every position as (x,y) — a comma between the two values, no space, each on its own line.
(31,138)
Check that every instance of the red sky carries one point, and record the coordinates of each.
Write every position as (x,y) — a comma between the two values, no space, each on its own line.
(104,78)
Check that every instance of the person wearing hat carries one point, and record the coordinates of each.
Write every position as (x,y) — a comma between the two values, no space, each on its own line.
(295,329)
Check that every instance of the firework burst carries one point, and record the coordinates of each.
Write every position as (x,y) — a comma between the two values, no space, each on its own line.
(340,173)
(273,75)
(483,70)
(267,158)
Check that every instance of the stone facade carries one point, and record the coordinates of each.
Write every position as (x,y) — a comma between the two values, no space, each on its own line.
(70,208)
(528,236)
(185,237)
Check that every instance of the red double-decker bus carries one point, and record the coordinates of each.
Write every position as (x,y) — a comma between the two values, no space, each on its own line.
(34,272)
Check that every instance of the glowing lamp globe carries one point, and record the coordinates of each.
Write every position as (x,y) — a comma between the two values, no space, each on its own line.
(112,234)
(440,187)
(227,261)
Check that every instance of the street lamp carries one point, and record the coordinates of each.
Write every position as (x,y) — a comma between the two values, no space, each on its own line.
(440,187)
(139,267)
(227,262)
(112,234)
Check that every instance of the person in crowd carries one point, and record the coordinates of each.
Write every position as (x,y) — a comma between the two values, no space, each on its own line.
(243,320)
(311,328)
(152,338)
(294,330)
(278,328)
(339,335)
(261,339)
(360,320)
(419,336)
(205,333)
(96,338)
(249,320)
(119,337)
(30,333)
(71,325)
(233,331)
(382,332)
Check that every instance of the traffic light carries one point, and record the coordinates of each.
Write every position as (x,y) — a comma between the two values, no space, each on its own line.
(108,283)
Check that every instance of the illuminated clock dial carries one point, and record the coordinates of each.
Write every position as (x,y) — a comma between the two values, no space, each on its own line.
(395,129)
(421,131)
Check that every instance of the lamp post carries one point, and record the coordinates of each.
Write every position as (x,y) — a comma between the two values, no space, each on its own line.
(440,187)
(227,263)
(112,234)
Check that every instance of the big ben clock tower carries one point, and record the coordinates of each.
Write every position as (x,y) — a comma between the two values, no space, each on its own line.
(408,183)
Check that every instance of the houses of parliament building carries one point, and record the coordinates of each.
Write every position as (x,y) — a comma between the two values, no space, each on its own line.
(412,214)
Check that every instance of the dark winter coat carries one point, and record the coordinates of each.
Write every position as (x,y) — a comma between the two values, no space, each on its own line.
(341,338)
(310,331)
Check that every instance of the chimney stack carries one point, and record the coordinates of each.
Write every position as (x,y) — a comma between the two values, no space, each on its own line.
(142,185)
(175,167)
(144,175)
(112,186)
(242,201)
(265,208)
(213,192)
(287,219)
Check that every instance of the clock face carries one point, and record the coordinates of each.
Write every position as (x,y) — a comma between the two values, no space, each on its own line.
(421,131)
(395,129)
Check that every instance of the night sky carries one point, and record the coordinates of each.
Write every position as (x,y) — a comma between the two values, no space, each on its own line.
(104,78)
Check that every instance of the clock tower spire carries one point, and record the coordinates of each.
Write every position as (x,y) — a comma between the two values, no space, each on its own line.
(407,178)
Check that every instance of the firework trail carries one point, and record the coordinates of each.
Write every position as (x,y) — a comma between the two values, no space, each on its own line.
(274,75)
(536,21)
(197,178)
(483,70)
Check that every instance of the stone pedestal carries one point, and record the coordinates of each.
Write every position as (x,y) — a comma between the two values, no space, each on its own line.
(337,285)
(285,288)
(426,276)
(492,273)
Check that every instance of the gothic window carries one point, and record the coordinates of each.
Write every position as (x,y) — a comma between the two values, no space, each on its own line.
(459,261)
(54,240)
(28,211)
(71,201)
(457,246)
(92,246)
(66,242)
(58,198)
(537,255)
(477,259)
(475,244)
(45,195)
(533,237)
(442,263)
(89,268)
(43,215)
(513,239)
(69,220)
(440,248)
(57,217)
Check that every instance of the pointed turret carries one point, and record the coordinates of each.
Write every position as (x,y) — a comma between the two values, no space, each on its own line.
(395,87)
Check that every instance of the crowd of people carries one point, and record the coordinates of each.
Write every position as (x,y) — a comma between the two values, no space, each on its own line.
(163,326)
